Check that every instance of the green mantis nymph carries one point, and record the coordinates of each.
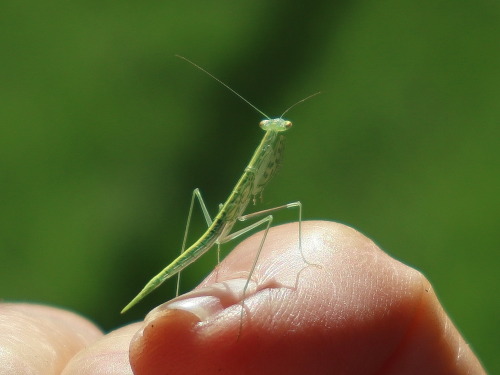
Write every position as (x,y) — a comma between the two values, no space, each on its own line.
(262,167)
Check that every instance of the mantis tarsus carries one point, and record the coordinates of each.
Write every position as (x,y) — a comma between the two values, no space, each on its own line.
(262,167)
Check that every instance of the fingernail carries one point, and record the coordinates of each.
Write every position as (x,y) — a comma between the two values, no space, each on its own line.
(208,301)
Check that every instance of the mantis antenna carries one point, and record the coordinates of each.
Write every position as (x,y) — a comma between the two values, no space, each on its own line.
(241,96)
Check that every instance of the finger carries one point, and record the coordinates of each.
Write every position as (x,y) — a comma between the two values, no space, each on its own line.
(108,355)
(37,339)
(360,312)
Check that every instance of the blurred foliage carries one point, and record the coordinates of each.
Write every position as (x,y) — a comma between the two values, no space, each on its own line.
(104,135)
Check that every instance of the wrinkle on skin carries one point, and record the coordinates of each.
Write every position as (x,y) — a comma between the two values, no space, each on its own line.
(360,312)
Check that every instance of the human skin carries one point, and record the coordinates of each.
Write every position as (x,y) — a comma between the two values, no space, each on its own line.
(351,309)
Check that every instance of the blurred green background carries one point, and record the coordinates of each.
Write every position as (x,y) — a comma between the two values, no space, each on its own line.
(104,135)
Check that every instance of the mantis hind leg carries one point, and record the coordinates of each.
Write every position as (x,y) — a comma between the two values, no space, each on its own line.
(208,219)
(268,221)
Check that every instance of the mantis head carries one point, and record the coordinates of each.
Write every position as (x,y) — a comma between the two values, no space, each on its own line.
(275,124)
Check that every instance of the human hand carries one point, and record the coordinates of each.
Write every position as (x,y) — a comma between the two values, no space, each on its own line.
(360,312)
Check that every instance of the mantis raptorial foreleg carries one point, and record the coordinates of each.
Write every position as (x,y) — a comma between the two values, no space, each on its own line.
(268,221)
